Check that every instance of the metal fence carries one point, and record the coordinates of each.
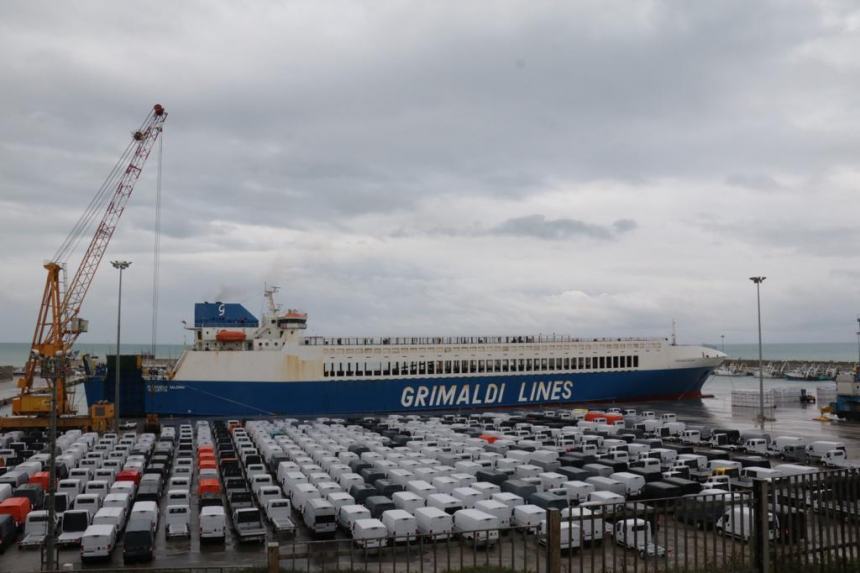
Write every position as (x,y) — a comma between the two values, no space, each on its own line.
(808,523)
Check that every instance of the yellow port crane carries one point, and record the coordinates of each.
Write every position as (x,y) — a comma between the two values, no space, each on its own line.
(59,323)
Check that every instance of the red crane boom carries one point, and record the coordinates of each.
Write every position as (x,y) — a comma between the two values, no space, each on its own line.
(58,324)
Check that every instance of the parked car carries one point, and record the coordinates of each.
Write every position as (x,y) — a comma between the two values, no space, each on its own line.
(98,542)
(213,523)
(138,542)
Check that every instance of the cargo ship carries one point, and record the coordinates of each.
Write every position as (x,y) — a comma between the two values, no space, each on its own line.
(241,366)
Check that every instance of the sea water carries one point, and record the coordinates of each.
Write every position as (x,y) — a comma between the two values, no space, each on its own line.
(15,353)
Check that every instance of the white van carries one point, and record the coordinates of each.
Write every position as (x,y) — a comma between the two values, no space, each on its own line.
(590,524)
(434,523)
(447,503)
(477,526)
(178,497)
(633,483)
(407,500)
(98,487)
(779,443)
(110,516)
(319,516)
(369,533)
(302,493)
(71,486)
(98,542)
(89,501)
(213,523)
(178,522)
(607,484)
(577,491)
(468,496)
(340,498)
(146,510)
(818,449)
(401,525)
(571,535)
(293,479)
(737,522)
(528,515)
(349,514)
(122,500)
(421,487)
(501,510)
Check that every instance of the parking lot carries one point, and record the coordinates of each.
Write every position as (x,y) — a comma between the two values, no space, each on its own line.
(508,466)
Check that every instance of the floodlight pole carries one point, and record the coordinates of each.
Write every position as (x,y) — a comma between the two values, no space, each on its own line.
(121,265)
(758,281)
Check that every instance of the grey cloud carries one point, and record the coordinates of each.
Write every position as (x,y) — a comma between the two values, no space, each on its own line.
(538,226)
(334,115)
(757,181)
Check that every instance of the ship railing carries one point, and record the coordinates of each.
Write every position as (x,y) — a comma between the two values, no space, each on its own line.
(460,340)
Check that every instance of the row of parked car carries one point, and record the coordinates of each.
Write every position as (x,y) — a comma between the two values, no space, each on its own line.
(448,475)
(108,489)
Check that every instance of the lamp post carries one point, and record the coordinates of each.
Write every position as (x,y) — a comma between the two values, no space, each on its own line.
(723,339)
(758,281)
(858,340)
(53,368)
(121,265)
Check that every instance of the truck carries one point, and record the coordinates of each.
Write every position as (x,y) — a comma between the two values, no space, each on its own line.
(279,514)
(248,525)
(35,529)
(74,523)
(818,450)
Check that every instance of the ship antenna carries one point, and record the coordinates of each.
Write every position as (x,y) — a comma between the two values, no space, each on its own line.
(673,332)
(269,293)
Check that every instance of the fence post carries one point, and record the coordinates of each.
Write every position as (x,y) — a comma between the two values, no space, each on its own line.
(553,541)
(273,557)
(761,526)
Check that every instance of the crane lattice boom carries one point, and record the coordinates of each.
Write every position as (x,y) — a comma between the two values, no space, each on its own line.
(58,324)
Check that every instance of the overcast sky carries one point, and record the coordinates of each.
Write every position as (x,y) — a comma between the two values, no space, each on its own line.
(590,168)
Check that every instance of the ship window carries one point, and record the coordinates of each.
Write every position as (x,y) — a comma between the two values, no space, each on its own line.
(413,368)
(636,361)
(473,366)
(386,368)
(628,361)
(480,365)
(615,362)
(455,367)
(447,367)
(528,364)
(422,367)
(566,364)
(588,365)
(340,368)
(543,363)
(499,366)
(395,368)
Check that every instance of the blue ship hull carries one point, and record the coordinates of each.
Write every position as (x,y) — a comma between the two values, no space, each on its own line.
(346,397)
